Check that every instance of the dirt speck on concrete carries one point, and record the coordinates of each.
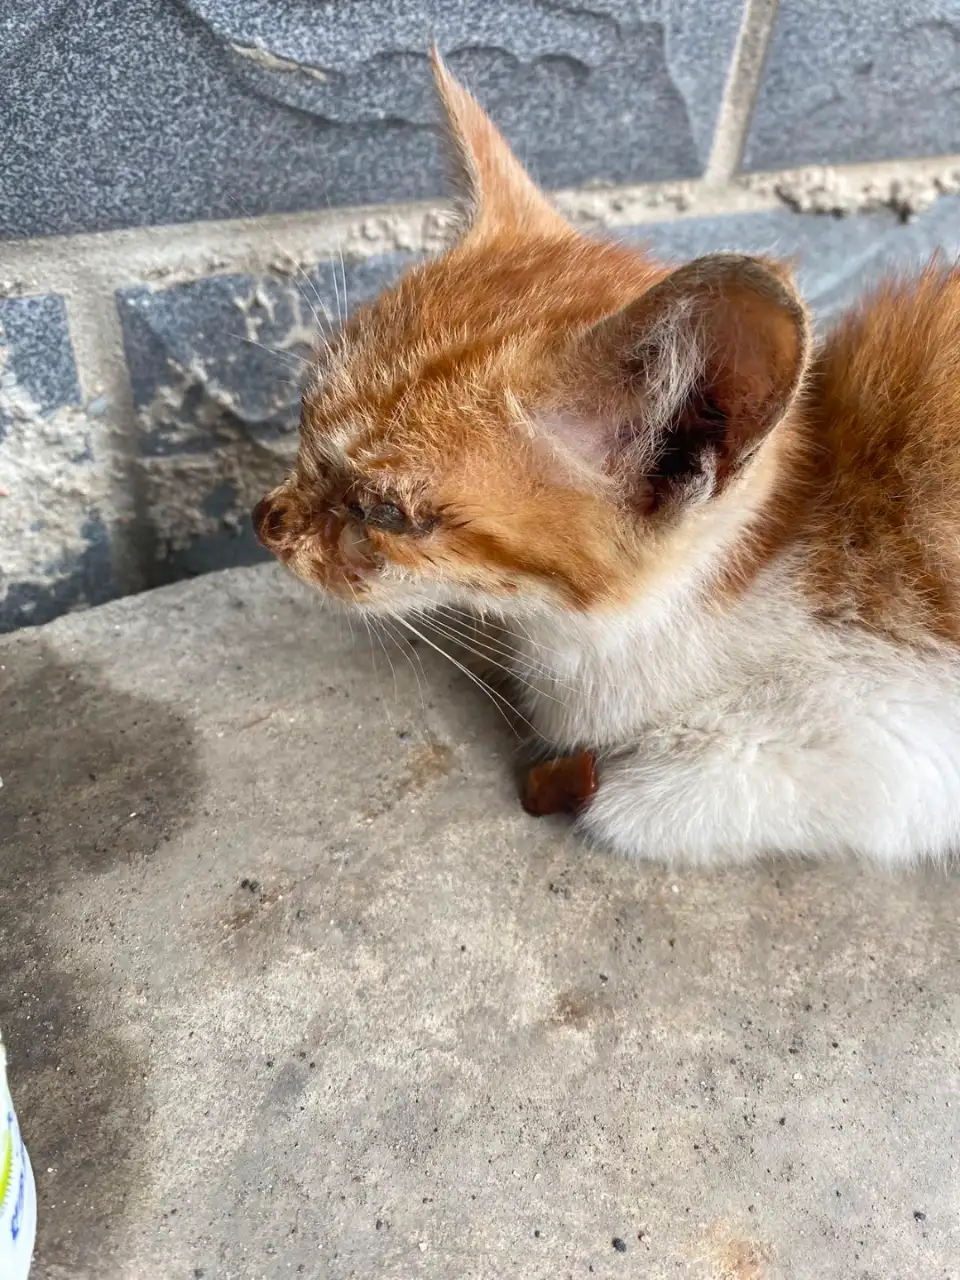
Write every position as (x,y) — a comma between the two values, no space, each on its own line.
(258,899)
(425,763)
(429,762)
(728,1254)
(578,1009)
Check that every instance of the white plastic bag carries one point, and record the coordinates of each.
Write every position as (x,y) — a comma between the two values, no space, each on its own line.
(18,1195)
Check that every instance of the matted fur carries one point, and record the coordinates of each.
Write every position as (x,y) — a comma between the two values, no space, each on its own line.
(727,563)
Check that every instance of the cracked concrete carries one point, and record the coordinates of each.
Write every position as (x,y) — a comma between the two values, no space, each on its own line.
(273,62)
(293,987)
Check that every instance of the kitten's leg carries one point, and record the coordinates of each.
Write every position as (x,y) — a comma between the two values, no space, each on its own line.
(884,786)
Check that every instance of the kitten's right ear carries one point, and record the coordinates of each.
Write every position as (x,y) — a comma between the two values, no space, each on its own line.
(494,192)
(675,392)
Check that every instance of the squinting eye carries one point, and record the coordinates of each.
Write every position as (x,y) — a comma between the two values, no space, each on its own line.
(388,517)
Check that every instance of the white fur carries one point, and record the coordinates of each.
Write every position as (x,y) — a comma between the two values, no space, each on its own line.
(728,734)
(725,737)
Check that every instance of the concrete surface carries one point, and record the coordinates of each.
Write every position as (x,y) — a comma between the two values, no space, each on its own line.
(292,987)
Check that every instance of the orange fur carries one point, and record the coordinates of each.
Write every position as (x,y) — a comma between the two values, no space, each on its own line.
(494,396)
(867,494)
(882,521)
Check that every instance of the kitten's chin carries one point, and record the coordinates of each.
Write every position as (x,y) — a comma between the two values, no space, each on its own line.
(348,592)
(353,591)
(378,589)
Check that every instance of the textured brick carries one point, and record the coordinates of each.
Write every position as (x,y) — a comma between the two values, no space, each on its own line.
(38,356)
(837,258)
(215,368)
(852,82)
(55,472)
(115,113)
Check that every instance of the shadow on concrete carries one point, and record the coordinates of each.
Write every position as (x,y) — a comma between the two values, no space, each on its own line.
(77,758)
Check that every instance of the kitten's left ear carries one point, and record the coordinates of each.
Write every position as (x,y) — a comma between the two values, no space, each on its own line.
(677,390)
(494,190)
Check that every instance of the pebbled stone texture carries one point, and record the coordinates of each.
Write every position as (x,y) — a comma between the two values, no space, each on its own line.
(38,355)
(116,113)
(837,258)
(855,82)
(55,471)
(294,988)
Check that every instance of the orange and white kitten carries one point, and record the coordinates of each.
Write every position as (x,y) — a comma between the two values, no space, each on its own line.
(728,559)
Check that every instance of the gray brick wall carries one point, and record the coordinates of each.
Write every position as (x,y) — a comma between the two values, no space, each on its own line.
(169,112)
(184,183)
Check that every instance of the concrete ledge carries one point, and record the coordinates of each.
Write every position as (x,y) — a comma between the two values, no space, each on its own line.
(293,987)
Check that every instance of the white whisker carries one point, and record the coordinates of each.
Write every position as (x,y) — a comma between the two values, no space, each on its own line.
(511,653)
(287,358)
(471,618)
(343,277)
(458,638)
(409,652)
(297,267)
(496,698)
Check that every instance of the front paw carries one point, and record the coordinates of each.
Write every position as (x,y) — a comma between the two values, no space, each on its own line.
(565,785)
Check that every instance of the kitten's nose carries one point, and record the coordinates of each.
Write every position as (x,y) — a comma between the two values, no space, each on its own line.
(270,521)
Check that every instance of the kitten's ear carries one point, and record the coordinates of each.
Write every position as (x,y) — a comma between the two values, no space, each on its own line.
(494,191)
(677,389)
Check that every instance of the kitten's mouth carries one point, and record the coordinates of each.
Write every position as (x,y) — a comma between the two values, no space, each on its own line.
(330,574)
(349,586)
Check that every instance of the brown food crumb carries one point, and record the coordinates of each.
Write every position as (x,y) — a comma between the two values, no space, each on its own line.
(560,786)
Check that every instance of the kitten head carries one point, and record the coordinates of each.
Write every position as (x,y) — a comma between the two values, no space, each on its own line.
(533,418)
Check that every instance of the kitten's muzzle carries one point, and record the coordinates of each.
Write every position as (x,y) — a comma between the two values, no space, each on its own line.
(311,543)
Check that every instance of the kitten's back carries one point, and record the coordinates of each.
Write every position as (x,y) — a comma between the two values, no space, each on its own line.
(882,465)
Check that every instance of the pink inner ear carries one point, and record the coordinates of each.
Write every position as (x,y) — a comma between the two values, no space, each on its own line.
(589,439)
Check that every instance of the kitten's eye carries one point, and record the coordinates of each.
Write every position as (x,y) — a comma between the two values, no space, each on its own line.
(388,517)
(356,511)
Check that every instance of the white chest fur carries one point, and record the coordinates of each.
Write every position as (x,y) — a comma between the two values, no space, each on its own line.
(733,735)
(599,679)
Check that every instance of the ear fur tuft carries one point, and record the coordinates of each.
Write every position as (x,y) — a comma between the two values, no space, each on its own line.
(494,192)
(692,375)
